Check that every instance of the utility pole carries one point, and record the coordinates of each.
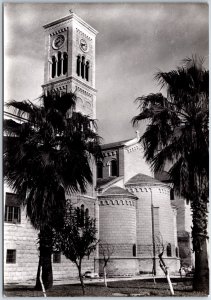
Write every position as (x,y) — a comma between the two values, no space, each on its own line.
(153,234)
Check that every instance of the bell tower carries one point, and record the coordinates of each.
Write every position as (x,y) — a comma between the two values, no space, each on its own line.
(70,60)
(70,66)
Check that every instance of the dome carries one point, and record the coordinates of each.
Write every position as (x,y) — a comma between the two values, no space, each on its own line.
(117,191)
(142,179)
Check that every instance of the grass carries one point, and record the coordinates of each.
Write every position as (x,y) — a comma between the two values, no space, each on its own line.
(117,288)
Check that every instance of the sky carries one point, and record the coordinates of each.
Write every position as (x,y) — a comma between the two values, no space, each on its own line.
(135,40)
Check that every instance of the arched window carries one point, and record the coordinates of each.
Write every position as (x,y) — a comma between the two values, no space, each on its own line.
(78,216)
(59,65)
(87,71)
(99,169)
(82,215)
(86,213)
(134,250)
(53,70)
(177,252)
(172,194)
(168,250)
(78,65)
(82,66)
(65,56)
(113,168)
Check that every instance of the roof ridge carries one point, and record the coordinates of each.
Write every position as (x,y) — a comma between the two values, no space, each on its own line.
(116,190)
(141,178)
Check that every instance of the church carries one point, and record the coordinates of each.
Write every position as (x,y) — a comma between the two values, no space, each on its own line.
(136,212)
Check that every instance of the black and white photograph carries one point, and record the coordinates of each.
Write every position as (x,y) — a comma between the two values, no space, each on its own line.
(105,149)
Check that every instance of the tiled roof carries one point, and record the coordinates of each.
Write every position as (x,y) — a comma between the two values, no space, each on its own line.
(114,145)
(143,179)
(103,181)
(116,190)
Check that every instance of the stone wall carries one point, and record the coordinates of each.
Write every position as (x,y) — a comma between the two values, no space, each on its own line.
(184,218)
(117,225)
(126,266)
(134,266)
(134,162)
(160,198)
(22,237)
(146,264)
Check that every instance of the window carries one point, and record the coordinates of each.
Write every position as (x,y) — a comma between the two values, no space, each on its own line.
(82,66)
(78,66)
(53,70)
(172,194)
(11,256)
(168,250)
(86,213)
(57,257)
(12,214)
(59,64)
(87,71)
(65,63)
(78,215)
(113,168)
(100,170)
(82,215)
(134,250)
(12,209)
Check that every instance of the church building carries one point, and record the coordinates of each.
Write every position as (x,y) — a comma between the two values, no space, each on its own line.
(134,212)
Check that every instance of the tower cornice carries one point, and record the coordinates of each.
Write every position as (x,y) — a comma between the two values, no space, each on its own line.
(72,16)
(67,79)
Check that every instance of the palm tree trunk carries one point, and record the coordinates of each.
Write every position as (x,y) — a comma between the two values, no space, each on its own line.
(45,240)
(201,275)
(199,235)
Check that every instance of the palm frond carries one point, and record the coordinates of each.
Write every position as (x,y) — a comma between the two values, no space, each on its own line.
(48,153)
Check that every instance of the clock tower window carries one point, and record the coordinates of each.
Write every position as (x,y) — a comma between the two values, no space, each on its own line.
(78,66)
(65,63)
(53,69)
(82,66)
(59,68)
(87,71)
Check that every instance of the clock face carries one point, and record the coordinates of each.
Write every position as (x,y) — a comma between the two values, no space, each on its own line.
(58,41)
(83,45)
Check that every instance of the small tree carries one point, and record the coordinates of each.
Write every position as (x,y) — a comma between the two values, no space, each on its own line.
(77,238)
(185,252)
(160,248)
(106,251)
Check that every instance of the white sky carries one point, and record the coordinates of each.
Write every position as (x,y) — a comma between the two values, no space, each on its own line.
(134,41)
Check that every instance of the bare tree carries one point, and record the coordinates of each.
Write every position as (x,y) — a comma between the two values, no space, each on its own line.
(106,250)
(160,247)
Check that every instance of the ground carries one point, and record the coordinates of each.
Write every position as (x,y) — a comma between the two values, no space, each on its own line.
(117,288)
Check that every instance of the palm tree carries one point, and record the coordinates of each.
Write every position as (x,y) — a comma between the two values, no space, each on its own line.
(47,155)
(177,135)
